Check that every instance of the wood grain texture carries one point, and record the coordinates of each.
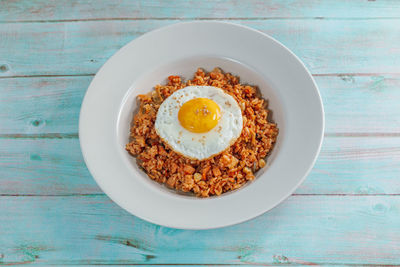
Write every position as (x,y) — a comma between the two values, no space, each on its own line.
(367,105)
(346,213)
(346,165)
(304,230)
(80,48)
(49,167)
(44,10)
(41,105)
(356,165)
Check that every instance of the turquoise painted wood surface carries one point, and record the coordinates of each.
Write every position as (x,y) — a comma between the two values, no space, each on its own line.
(43,166)
(353,104)
(347,212)
(304,230)
(60,10)
(327,46)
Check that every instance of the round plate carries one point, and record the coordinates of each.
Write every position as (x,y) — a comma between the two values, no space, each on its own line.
(179,49)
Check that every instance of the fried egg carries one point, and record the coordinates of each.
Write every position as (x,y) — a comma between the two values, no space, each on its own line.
(199,121)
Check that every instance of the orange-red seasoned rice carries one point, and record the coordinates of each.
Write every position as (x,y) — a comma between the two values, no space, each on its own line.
(227,171)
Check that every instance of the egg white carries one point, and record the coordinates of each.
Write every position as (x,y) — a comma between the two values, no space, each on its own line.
(199,145)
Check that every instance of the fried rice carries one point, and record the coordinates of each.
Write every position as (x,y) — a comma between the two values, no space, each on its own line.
(224,172)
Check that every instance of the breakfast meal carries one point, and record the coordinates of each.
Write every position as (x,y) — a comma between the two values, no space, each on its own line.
(208,135)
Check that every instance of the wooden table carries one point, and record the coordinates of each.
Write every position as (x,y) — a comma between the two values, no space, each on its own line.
(347,212)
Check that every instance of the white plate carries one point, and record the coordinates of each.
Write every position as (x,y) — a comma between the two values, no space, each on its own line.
(181,48)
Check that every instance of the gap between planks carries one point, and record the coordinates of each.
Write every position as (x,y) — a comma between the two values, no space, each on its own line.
(212,264)
(92,74)
(76,135)
(196,19)
(293,195)
(47,76)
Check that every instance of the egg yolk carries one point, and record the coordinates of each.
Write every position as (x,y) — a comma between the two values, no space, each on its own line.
(199,115)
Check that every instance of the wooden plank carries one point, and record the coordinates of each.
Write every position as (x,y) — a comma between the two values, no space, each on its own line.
(41,105)
(76,48)
(26,10)
(361,104)
(303,230)
(346,165)
(356,165)
(50,105)
(50,167)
